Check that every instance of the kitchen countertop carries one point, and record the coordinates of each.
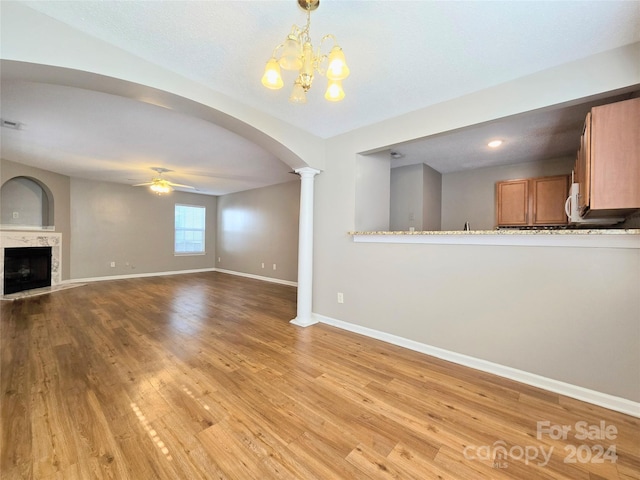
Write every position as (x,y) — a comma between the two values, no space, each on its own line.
(583,237)
(513,231)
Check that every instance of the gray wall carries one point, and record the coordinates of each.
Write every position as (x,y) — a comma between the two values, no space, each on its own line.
(260,226)
(23,202)
(470,195)
(431,198)
(416,193)
(373,190)
(59,186)
(406,198)
(132,227)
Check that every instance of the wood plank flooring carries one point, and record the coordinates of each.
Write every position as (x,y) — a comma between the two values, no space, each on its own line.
(201,376)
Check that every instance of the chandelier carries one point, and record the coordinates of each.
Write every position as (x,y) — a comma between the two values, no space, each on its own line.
(296,53)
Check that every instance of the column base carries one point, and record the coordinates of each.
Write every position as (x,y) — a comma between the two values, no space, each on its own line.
(304,322)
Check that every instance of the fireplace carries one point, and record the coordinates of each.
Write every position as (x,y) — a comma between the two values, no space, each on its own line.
(27,240)
(26,268)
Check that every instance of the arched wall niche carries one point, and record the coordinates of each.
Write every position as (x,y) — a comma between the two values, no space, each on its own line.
(26,202)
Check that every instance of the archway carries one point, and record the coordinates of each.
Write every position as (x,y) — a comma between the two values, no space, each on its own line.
(26,202)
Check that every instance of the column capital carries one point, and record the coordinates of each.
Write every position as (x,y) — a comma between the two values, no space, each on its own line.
(307,172)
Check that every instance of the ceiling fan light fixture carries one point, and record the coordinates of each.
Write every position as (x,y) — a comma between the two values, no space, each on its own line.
(296,53)
(160,186)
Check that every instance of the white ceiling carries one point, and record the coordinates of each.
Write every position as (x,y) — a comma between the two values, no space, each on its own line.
(403,56)
(94,135)
(529,137)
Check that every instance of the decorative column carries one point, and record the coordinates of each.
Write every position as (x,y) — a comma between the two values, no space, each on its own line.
(304,316)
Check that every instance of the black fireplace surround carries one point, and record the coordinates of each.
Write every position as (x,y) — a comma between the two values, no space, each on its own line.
(26,268)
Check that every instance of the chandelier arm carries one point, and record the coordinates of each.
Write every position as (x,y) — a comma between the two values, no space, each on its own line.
(328,35)
(321,57)
(275,50)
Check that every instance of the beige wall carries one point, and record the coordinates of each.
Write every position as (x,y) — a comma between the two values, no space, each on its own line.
(470,195)
(132,227)
(59,187)
(260,226)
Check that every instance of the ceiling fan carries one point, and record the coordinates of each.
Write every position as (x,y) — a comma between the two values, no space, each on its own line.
(161,185)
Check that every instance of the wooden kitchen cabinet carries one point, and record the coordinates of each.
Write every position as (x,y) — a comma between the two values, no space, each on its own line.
(608,163)
(532,201)
(512,203)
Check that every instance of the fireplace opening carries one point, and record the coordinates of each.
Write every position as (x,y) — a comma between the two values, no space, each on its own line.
(26,268)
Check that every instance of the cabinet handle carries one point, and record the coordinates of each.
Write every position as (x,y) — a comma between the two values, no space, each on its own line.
(567,208)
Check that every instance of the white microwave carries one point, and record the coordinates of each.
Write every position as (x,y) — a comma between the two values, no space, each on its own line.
(572,209)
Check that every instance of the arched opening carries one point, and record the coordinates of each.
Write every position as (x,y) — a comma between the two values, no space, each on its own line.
(26,203)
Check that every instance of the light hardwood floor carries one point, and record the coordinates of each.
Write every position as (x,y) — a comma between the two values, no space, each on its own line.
(201,376)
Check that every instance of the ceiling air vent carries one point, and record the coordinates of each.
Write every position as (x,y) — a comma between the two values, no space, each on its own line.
(11,124)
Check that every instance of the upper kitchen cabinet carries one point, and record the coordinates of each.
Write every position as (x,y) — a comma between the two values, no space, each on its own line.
(608,164)
(512,203)
(548,196)
(532,202)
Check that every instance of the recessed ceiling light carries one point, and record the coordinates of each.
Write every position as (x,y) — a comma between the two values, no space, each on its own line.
(494,143)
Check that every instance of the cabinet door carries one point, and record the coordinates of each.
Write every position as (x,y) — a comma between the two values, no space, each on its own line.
(512,203)
(615,156)
(549,195)
(583,167)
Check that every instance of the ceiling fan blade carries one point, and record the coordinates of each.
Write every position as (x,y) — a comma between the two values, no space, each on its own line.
(142,184)
(180,185)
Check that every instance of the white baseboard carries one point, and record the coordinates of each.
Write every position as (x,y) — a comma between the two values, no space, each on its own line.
(137,275)
(258,277)
(605,400)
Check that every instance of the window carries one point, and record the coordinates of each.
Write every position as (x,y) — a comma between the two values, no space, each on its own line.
(190,227)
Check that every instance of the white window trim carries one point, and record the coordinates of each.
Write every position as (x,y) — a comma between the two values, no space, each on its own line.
(204,230)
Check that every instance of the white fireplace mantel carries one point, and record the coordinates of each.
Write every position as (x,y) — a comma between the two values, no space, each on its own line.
(11,239)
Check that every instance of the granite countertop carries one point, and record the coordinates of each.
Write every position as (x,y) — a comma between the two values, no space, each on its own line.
(513,231)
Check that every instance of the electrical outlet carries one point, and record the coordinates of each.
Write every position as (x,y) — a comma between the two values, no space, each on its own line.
(274,266)
(262,264)
(219,260)
(16,215)
(113,264)
(340,297)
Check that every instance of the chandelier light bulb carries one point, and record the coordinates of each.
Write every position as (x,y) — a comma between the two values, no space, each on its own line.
(334,92)
(272,78)
(337,69)
(291,58)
